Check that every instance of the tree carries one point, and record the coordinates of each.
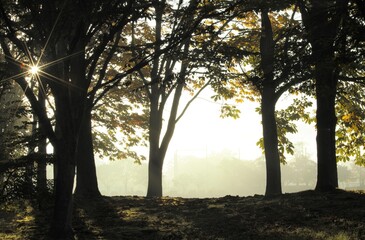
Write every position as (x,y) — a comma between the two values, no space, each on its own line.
(349,97)
(349,133)
(42,188)
(20,132)
(281,72)
(269,98)
(186,65)
(348,57)
(67,42)
(322,20)
(16,171)
(268,63)
(166,76)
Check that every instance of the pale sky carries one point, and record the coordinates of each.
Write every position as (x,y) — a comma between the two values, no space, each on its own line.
(201,131)
(203,128)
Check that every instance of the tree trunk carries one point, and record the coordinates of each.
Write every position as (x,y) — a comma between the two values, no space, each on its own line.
(86,180)
(65,160)
(42,168)
(158,150)
(268,102)
(62,219)
(65,153)
(154,188)
(69,105)
(42,151)
(156,160)
(273,173)
(30,167)
(322,20)
(158,96)
(327,179)
(155,175)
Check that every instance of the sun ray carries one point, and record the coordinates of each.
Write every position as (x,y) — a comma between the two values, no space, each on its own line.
(51,33)
(30,68)
(19,75)
(58,80)
(29,55)
(12,60)
(60,60)
(34,70)
(13,114)
(43,89)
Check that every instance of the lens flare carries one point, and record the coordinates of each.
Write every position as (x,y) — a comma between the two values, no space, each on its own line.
(34,70)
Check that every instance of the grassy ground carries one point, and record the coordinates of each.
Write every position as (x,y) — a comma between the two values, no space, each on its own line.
(304,215)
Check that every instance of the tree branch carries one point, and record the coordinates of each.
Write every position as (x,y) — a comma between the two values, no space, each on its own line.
(192,100)
(38,110)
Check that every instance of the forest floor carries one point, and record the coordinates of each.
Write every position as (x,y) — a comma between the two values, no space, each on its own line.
(304,215)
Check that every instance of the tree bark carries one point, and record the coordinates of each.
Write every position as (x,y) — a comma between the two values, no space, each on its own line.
(322,20)
(154,188)
(42,151)
(155,165)
(86,180)
(326,82)
(70,104)
(270,135)
(62,219)
(65,154)
(42,168)
(158,151)
(29,169)
(268,102)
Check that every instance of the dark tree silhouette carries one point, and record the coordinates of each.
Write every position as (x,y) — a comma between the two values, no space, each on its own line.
(281,66)
(168,76)
(67,40)
(322,20)
(268,102)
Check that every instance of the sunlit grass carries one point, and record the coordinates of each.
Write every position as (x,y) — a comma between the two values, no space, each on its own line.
(180,218)
(10,236)
(17,218)
(309,233)
(333,236)
(342,236)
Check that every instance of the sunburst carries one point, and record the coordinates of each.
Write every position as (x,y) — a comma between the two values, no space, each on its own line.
(33,70)
(32,67)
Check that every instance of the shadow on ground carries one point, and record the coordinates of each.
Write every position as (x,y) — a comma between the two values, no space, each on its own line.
(304,215)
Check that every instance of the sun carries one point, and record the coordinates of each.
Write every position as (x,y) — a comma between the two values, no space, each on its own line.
(34,70)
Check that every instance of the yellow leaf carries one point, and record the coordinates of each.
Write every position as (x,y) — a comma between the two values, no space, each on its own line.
(346,118)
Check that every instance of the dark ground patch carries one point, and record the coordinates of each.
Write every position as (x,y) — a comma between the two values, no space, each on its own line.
(305,215)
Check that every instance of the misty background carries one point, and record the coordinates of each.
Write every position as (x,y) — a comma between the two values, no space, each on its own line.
(218,174)
(211,156)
